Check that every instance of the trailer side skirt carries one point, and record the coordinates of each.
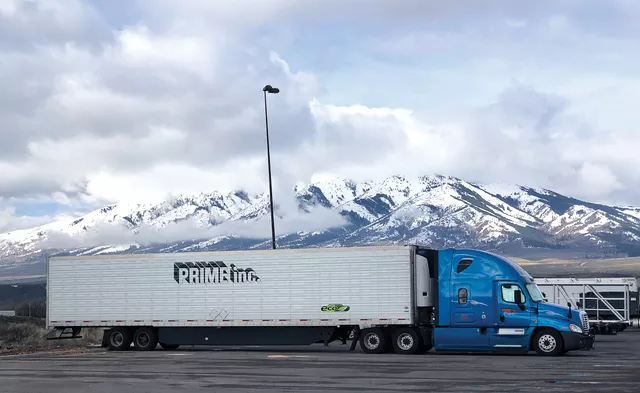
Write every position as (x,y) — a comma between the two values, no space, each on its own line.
(244,336)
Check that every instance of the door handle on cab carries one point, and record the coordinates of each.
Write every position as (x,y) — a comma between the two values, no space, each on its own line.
(501,317)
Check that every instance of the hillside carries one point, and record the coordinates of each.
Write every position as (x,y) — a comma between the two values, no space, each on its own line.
(433,210)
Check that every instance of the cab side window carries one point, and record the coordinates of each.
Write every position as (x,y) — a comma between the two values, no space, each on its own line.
(463,265)
(509,293)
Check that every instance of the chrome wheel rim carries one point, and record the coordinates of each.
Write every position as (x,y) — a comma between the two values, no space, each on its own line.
(405,341)
(547,343)
(371,341)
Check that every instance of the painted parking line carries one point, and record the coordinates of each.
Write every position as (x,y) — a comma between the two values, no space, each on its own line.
(287,356)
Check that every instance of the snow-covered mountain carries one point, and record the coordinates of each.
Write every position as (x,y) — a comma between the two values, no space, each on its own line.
(433,210)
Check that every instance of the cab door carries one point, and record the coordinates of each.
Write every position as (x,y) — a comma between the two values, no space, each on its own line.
(513,323)
(467,302)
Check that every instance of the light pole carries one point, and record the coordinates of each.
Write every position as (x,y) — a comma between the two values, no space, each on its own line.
(271,90)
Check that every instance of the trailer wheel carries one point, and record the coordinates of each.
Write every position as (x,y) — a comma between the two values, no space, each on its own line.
(406,341)
(145,339)
(373,340)
(169,347)
(119,339)
(548,342)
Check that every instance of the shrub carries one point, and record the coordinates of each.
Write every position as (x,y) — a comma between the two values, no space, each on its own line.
(22,333)
(25,332)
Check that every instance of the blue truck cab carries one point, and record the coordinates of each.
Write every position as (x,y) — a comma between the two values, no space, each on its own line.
(486,302)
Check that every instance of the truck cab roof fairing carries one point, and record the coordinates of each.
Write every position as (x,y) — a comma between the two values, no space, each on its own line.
(487,266)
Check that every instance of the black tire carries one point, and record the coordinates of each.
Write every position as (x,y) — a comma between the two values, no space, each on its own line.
(169,347)
(119,339)
(407,341)
(145,339)
(548,342)
(373,340)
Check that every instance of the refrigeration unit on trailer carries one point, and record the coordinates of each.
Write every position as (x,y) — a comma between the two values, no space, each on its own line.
(407,299)
(610,302)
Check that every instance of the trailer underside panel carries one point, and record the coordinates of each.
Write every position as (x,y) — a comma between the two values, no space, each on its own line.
(244,336)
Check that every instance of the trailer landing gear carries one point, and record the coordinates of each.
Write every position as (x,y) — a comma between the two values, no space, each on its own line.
(63,333)
(356,338)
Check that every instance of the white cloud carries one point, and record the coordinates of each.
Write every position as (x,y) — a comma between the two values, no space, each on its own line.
(105,234)
(10,221)
(100,109)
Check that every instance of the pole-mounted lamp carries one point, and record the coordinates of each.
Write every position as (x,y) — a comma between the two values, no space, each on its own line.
(271,90)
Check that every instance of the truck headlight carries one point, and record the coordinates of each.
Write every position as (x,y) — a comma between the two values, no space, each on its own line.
(575,328)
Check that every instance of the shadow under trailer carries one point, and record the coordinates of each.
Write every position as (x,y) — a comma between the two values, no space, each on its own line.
(405,299)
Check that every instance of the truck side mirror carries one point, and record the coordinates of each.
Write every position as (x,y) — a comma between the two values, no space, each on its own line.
(518,298)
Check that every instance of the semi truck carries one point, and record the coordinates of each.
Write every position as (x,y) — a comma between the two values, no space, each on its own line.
(406,299)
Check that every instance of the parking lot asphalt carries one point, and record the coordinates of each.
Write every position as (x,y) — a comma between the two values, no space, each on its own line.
(613,366)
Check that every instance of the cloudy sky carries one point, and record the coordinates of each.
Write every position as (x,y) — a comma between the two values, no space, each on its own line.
(103,101)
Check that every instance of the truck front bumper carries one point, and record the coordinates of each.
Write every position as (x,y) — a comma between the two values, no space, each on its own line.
(576,341)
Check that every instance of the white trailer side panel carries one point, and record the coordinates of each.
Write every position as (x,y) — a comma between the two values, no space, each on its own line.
(285,287)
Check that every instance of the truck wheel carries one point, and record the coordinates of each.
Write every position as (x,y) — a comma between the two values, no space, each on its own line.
(169,347)
(119,339)
(548,342)
(145,339)
(373,340)
(407,341)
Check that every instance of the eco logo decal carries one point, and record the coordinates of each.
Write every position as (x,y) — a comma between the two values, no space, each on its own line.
(335,308)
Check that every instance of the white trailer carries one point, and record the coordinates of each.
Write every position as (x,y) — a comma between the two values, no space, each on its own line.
(304,295)
(610,302)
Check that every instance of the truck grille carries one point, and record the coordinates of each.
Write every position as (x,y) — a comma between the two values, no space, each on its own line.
(585,321)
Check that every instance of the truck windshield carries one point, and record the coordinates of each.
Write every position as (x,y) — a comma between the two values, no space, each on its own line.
(535,293)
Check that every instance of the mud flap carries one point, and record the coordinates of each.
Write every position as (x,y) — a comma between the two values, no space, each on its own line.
(105,338)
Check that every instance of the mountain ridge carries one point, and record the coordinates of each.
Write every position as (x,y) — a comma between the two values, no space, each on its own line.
(439,211)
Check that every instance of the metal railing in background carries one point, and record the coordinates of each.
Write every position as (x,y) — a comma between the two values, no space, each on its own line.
(606,300)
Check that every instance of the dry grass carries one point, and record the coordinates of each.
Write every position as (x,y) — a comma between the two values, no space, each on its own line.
(23,334)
